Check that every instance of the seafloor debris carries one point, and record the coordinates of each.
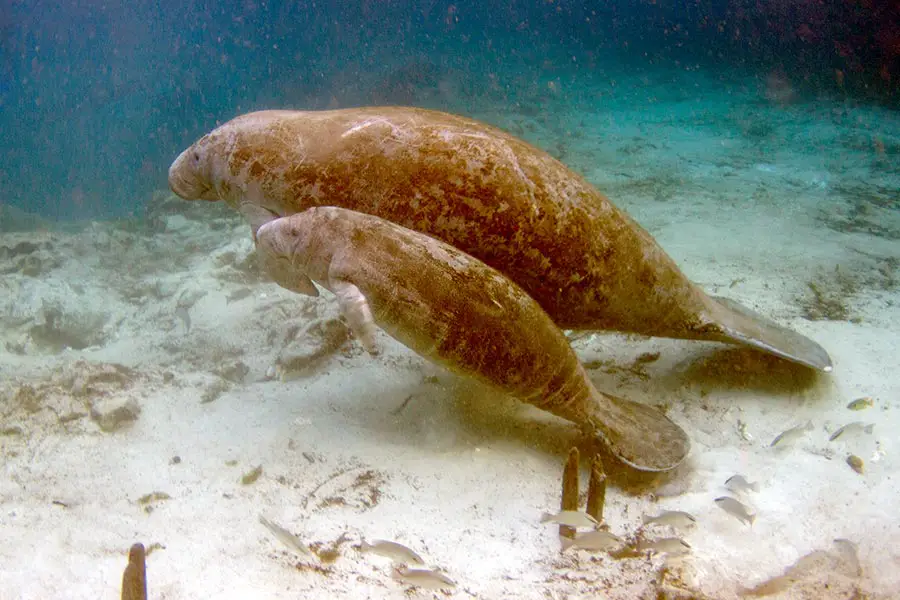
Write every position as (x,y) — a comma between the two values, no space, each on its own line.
(252,475)
(112,414)
(321,339)
(134,578)
(570,491)
(819,567)
(214,391)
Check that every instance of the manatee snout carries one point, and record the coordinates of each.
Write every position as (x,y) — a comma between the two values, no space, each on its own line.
(187,176)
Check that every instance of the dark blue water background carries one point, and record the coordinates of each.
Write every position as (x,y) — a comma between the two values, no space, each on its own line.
(97,97)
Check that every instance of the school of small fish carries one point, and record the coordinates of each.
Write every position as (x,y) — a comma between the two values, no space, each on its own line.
(409,567)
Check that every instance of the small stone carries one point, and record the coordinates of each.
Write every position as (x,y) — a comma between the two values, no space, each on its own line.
(856,463)
(176,460)
(216,389)
(252,476)
(111,414)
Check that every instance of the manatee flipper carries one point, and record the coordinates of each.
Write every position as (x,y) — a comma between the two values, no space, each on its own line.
(641,436)
(358,313)
(742,325)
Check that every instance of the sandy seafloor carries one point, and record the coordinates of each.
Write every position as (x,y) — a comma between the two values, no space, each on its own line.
(754,200)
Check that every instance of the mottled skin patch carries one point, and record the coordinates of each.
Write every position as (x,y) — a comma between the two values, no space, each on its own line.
(484,191)
(455,310)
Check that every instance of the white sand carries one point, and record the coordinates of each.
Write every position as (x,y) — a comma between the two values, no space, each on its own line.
(461,475)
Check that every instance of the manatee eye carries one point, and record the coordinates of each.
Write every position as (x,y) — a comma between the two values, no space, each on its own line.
(196,157)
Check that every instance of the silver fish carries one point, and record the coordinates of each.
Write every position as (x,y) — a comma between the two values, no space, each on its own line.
(854,427)
(791,435)
(592,540)
(736,508)
(392,550)
(572,518)
(668,545)
(672,518)
(285,537)
(739,484)
(423,578)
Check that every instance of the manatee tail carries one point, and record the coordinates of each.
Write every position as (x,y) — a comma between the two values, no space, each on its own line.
(639,435)
(742,325)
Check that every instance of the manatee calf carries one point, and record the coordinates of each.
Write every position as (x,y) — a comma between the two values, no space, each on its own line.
(486,192)
(454,310)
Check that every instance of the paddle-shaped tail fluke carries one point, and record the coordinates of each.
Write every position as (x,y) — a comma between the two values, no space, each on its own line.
(742,325)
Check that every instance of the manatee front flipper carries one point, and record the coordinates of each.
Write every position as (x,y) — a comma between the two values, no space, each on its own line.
(358,313)
(742,325)
(640,436)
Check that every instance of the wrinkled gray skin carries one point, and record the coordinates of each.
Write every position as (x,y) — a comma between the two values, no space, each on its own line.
(460,313)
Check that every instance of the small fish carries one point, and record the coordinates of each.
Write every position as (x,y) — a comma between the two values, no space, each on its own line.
(856,463)
(285,537)
(592,540)
(791,435)
(736,508)
(854,427)
(739,484)
(392,550)
(423,578)
(672,518)
(669,545)
(572,518)
(861,403)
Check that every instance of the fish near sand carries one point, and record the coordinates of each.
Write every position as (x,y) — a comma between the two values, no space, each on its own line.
(392,550)
(739,484)
(456,311)
(486,192)
(570,518)
(789,436)
(591,540)
(424,578)
(736,509)
(671,518)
